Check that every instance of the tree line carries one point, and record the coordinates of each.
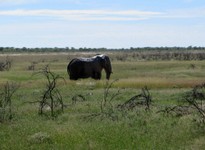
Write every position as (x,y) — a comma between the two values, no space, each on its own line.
(72,49)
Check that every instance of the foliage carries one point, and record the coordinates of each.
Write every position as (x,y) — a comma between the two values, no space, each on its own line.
(144,53)
(67,49)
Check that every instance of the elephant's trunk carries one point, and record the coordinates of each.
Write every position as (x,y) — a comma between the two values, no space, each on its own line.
(108,76)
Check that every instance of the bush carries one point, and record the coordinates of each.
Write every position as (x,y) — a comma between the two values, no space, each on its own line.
(6,101)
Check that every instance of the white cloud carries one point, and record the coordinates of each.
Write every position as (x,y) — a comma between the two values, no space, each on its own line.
(84,14)
(109,15)
(66,32)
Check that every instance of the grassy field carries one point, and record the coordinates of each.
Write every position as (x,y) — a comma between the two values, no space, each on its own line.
(83,124)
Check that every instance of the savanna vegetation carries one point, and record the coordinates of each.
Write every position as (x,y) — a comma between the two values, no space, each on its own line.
(154,100)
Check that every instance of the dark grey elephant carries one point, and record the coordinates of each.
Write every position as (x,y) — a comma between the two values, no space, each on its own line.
(89,67)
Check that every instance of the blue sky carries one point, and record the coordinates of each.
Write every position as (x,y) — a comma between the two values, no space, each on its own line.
(102,23)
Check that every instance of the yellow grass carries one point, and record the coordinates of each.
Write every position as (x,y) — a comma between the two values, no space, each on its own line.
(133,74)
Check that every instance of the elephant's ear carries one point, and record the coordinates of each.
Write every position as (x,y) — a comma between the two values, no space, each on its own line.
(102,61)
(106,58)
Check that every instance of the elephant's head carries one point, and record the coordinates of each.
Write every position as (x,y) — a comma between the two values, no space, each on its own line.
(106,64)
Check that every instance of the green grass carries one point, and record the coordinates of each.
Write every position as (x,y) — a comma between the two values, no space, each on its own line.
(76,129)
(70,131)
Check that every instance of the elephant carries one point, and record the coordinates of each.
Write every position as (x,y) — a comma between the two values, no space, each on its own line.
(89,67)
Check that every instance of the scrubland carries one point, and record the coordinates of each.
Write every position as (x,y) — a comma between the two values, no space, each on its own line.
(91,118)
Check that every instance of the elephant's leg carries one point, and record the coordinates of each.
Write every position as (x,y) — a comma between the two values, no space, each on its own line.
(97,75)
(93,75)
(73,77)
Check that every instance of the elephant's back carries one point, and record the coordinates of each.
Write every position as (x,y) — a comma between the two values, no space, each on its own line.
(73,64)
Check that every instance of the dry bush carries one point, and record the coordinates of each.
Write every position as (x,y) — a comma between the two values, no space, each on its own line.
(193,101)
(196,98)
(51,98)
(32,66)
(6,101)
(107,110)
(6,66)
(178,110)
(142,99)
(107,97)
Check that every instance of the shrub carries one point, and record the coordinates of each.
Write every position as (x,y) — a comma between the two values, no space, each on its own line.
(6,101)
(51,98)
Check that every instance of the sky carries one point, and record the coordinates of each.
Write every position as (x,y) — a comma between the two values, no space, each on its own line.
(102,23)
